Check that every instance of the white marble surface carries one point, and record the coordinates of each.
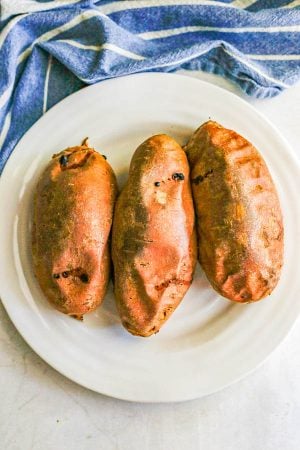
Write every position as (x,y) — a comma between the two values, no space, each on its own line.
(42,410)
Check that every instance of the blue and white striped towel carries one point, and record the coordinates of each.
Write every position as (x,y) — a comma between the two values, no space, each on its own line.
(49,49)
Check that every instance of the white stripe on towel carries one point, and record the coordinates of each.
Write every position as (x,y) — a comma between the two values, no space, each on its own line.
(242,3)
(149,35)
(274,57)
(9,27)
(14,7)
(252,67)
(47,84)
(293,4)
(5,128)
(56,31)
(134,4)
(105,46)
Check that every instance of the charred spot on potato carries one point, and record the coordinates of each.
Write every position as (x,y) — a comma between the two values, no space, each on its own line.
(75,159)
(63,160)
(144,264)
(178,176)
(246,296)
(104,156)
(198,179)
(175,281)
(84,278)
(201,178)
(78,272)
(157,183)
(56,276)
(77,316)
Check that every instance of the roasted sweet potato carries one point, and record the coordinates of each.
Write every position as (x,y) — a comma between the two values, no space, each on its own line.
(153,243)
(238,215)
(73,211)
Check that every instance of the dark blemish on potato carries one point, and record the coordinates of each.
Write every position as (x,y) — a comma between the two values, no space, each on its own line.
(175,281)
(157,183)
(63,160)
(198,179)
(56,275)
(84,278)
(246,296)
(77,316)
(201,178)
(75,159)
(104,157)
(78,272)
(178,176)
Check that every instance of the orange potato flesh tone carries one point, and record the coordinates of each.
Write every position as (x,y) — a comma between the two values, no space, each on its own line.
(73,211)
(153,244)
(238,215)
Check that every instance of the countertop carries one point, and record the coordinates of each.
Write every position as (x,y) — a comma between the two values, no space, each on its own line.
(42,410)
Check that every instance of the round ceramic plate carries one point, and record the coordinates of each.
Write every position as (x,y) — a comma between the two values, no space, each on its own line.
(208,342)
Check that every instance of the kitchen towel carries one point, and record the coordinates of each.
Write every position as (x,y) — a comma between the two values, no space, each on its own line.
(50,49)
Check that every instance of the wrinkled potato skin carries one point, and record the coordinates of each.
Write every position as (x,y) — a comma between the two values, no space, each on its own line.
(239,221)
(73,211)
(154,242)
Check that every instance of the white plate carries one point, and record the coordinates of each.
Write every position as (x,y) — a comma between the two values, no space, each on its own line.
(209,342)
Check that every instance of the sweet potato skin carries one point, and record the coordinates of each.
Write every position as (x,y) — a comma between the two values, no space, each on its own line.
(153,240)
(72,218)
(238,215)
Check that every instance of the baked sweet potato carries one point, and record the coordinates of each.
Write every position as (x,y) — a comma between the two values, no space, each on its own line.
(153,241)
(238,215)
(73,211)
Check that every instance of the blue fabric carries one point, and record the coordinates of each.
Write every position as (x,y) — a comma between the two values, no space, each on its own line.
(50,49)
